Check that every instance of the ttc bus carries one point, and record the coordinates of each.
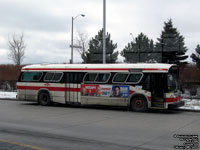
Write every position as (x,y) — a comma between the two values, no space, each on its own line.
(136,86)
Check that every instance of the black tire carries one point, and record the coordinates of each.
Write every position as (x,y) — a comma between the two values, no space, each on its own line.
(44,99)
(139,104)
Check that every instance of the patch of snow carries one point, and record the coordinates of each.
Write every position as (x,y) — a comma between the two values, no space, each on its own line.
(198,91)
(192,104)
(186,94)
(10,95)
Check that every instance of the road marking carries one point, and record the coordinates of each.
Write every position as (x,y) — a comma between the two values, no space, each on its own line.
(21,144)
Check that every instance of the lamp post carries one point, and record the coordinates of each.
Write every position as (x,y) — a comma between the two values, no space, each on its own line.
(104,31)
(72,36)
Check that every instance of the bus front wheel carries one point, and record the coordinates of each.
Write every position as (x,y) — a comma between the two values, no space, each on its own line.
(139,104)
(44,99)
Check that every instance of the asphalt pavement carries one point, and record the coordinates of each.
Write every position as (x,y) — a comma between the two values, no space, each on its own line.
(26,125)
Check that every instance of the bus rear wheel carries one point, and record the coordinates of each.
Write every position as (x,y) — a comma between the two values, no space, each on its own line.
(44,99)
(139,104)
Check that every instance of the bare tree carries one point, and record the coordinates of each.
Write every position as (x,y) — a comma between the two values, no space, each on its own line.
(82,42)
(16,48)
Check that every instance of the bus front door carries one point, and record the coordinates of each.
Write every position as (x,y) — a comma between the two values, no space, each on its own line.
(158,83)
(72,93)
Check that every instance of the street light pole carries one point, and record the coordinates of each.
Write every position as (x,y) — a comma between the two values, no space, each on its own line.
(104,31)
(72,36)
(72,41)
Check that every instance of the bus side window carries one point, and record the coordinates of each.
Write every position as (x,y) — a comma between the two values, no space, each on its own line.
(75,77)
(80,77)
(134,78)
(103,77)
(71,77)
(90,77)
(53,77)
(57,77)
(48,76)
(147,82)
(120,77)
(31,76)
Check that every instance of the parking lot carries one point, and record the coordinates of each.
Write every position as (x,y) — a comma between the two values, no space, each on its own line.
(26,125)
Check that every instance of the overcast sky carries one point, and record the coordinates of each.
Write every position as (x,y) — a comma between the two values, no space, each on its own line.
(46,24)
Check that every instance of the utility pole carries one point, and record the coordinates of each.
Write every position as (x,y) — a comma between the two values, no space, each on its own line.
(104,31)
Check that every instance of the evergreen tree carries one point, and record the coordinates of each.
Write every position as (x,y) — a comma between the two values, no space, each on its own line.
(95,51)
(134,50)
(171,45)
(196,57)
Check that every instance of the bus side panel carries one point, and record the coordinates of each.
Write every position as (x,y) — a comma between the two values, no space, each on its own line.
(31,95)
(32,91)
(95,94)
(58,92)
(21,91)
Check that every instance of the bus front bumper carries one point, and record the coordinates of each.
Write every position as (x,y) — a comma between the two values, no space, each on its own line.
(176,105)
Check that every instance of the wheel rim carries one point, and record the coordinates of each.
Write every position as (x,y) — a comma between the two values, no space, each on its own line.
(44,98)
(139,104)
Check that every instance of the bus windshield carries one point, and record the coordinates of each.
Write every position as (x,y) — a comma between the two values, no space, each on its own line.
(172,82)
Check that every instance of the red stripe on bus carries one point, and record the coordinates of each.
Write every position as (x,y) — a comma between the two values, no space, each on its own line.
(92,69)
(73,89)
(49,88)
(131,92)
(173,99)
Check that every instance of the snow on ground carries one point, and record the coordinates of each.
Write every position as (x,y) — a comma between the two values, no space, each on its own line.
(191,103)
(8,95)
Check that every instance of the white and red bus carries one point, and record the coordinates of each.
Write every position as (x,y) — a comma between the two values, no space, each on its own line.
(137,86)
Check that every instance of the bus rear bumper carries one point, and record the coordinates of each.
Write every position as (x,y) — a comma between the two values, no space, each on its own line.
(176,105)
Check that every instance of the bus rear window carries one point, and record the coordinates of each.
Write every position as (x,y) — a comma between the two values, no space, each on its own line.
(31,76)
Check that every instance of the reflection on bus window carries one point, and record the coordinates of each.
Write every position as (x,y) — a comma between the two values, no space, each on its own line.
(172,82)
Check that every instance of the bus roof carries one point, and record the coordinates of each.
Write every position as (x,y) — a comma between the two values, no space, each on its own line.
(137,67)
